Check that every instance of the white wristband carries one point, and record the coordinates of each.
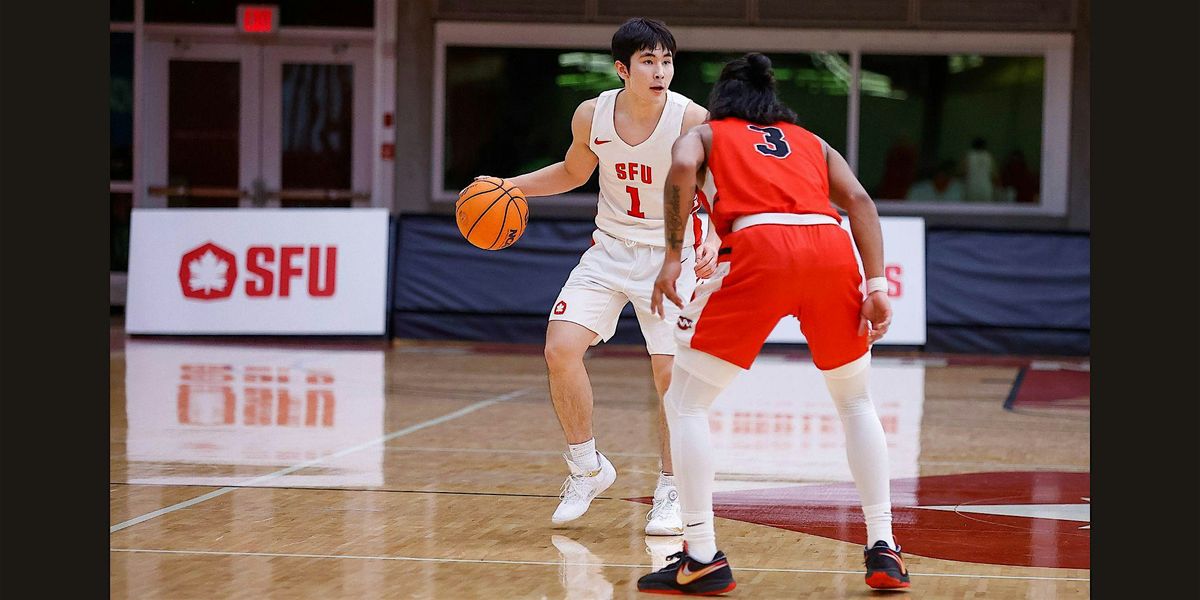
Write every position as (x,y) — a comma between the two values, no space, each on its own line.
(877,284)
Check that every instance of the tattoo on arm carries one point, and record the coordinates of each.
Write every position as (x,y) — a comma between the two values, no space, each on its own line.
(674,224)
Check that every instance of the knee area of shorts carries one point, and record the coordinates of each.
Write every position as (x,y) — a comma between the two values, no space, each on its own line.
(705,367)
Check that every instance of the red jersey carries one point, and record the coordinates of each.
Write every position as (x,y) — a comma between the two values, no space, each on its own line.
(777,168)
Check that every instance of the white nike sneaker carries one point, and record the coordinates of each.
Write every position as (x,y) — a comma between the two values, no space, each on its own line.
(664,518)
(581,487)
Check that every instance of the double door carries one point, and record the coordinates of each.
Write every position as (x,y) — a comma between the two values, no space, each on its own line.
(242,124)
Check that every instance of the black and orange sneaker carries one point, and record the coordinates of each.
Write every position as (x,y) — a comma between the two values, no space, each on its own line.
(885,568)
(686,576)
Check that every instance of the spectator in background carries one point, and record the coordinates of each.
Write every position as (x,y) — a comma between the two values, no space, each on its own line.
(942,187)
(1018,181)
(899,170)
(980,170)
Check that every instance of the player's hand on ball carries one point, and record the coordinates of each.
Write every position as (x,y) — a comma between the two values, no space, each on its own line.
(665,286)
(876,316)
(706,261)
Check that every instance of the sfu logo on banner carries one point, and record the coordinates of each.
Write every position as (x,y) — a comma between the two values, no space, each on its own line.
(209,272)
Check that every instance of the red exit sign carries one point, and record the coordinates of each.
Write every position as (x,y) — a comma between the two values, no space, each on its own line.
(258,18)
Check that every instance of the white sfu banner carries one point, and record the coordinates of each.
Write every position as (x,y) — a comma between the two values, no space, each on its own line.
(258,271)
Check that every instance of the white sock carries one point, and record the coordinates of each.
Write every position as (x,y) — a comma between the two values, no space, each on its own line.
(866,445)
(665,480)
(879,524)
(687,402)
(584,455)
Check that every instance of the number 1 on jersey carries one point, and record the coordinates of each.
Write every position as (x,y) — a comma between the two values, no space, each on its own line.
(635,208)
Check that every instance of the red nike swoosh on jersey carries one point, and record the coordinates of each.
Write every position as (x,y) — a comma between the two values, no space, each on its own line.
(685,576)
(599,141)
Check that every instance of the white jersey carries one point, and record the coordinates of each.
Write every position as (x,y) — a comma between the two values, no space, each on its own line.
(632,177)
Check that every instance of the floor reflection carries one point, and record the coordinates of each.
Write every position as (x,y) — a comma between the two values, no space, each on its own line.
(659,547)
(220,415)
(580,571)
(776,424)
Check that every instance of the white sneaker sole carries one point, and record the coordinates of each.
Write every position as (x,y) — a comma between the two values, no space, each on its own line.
(662,530)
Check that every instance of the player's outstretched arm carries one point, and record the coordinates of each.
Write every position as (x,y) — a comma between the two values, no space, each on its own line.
(575,169)
(847,193)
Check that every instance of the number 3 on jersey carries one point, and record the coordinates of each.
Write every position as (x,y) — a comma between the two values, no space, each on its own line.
(635,203)
(774,144)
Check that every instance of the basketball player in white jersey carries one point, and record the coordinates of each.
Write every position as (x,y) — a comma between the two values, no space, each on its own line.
(628,132)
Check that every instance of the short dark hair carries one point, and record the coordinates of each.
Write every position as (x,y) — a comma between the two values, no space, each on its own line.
(746,90)
(639,34)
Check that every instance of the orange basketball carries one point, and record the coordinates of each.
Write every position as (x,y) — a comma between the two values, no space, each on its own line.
(491,213)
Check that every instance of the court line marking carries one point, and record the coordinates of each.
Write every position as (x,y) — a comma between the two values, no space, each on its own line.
(557,563)
(308,463)
(508,451)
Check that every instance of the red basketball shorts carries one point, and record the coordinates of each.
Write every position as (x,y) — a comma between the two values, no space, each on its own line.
(767,272)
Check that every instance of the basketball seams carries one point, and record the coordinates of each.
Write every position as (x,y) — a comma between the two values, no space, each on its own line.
(523,215)
(505,191)
(485,211)
(462,201)
(503,223)
(482,214)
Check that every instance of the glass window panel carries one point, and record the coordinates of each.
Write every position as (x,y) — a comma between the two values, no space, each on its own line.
(317,128)
(508,110)
(120,11)
(951,128)
(814,84)
(120,106)
(203,128)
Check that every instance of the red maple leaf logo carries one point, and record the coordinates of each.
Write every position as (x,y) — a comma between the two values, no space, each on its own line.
(207,272)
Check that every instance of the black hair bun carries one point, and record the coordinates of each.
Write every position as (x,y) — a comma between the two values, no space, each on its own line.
(758,69)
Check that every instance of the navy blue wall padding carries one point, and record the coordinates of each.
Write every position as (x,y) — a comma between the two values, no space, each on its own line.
(1003,279)
(977,340)
(440,271)
(513,329)
(986,291)
(448,289)
(994,292)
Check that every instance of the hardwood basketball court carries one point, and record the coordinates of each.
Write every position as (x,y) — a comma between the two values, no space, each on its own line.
(430,470)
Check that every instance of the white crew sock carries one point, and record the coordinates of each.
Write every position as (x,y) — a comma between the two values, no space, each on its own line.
(665,480)
(584,455)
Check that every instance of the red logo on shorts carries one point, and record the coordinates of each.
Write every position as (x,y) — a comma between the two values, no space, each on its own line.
(561,307)
(684,323)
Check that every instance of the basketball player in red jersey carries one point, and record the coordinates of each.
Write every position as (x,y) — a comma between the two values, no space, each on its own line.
(782,253)
(628,132)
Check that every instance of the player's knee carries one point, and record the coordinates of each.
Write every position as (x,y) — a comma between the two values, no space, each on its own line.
(849,386)
(693,390)
(662,377)
(562,353)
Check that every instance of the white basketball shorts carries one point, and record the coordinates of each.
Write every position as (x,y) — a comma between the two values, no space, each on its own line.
(613,272)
